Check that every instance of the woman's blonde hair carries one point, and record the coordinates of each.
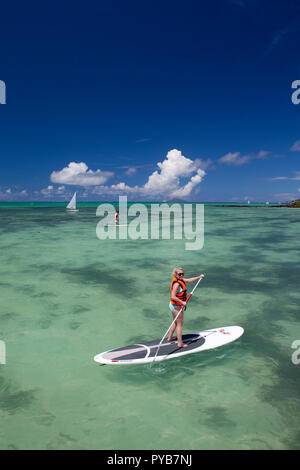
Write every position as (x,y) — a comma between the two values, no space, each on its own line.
(175,271)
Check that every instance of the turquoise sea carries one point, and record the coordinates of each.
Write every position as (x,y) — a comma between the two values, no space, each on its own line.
(66,296)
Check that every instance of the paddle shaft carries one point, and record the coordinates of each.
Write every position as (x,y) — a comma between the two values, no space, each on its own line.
(188,298)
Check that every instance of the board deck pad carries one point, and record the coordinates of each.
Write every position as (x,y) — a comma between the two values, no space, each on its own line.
(147,351)
(140,351)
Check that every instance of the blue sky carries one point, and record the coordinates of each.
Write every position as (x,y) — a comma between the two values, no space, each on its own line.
(156,100)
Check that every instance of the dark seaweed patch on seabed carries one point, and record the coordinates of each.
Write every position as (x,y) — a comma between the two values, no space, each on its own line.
(8,316)
(284,393)
(116,282)
(241,278)
(37,218)
(217,416)
(265,240)
(147,263)
(44,267)
(247,252)
(223,279)
(152,313)
(43,294)
(78,309)
(12,400)
(197,323)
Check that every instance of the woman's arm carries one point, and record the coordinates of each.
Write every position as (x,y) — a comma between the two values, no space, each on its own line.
(193,279)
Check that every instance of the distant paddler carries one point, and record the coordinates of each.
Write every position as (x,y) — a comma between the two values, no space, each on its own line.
(117,217)
(178,300)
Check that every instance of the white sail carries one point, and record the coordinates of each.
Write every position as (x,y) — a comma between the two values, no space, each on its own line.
(72,203)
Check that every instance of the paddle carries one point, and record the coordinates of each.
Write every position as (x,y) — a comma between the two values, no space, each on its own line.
(188,298)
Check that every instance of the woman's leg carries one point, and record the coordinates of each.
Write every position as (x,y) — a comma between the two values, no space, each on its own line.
(170,337)
(174,311)
(179,322)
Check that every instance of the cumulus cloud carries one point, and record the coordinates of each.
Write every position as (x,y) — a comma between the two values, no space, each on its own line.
(177,176)
(130,171)
(237,159)
(234,158)
(115,189)
(167,180)
(53,191)
(187,188)
(15,194)
(47,191)
(79,174)
(262,154)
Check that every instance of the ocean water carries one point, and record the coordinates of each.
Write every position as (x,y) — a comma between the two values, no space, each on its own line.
(66,296)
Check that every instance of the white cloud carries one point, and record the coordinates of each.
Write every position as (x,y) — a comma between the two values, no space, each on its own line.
(166,181)
(277,37)
(237,159)
(130,171)
(187,189)
(116,189)
(281,178)
(284,196)
(147,139)
(14,194)
(79,174)
(295,147)
(52,191)
(262,154)
(278,178)
(204,164)
(47,191)
(234,158)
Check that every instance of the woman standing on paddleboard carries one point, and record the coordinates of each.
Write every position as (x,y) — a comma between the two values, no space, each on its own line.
(178,300)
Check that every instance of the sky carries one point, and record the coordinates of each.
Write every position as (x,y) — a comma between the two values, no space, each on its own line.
(157,100)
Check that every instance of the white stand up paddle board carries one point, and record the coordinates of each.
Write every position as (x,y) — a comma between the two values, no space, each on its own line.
(142,353)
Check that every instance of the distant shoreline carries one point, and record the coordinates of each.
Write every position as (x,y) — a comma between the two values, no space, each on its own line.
(33,204)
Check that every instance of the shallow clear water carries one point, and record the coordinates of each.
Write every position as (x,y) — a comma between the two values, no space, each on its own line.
(66,296)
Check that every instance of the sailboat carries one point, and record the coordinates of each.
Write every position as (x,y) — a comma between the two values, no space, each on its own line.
(71,207)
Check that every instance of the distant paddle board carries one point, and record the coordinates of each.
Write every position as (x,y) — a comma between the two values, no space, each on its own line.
(142,353)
